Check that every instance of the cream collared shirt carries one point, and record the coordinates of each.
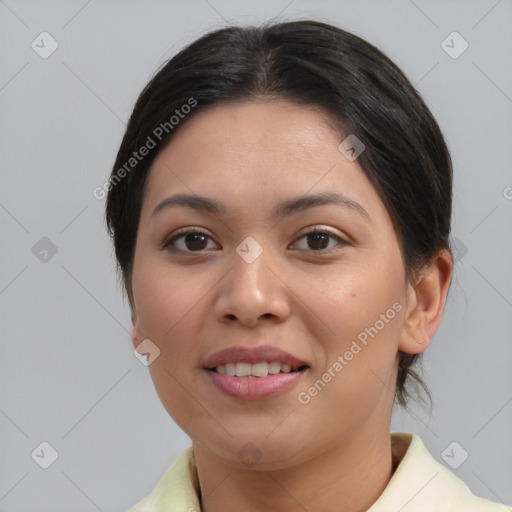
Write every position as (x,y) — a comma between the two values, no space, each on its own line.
(419,484)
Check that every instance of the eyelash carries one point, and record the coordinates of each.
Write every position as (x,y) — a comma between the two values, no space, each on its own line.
(187,231)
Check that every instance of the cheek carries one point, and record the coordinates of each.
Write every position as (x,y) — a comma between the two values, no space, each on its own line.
(157,292)
(357,372)
(354,303)
(169,308)
(363,309)
(168,304)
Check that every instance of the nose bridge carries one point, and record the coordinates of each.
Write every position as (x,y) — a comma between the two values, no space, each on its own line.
(252,289)
(250,264)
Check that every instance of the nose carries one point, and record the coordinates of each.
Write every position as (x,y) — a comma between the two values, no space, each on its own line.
(253,291)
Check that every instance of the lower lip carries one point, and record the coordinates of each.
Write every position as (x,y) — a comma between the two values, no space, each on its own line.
(255,388)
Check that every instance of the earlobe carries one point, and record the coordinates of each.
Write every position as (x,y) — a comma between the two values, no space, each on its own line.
(426,304)
(136,330)
(136,334)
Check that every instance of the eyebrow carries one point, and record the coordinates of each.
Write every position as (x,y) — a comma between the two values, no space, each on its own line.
(284,209)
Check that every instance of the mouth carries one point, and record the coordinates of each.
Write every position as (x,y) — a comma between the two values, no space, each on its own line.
(257,370)
(254,373)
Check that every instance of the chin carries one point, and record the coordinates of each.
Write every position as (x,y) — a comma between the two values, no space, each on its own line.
(255,450)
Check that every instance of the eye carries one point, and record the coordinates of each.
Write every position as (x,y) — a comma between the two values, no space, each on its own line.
(318,240)
(194,240)
(189,240)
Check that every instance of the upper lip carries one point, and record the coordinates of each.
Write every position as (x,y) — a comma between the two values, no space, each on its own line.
(252,355)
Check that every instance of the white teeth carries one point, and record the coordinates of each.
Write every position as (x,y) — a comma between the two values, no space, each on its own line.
(261,369)
(274,367)
(243,369)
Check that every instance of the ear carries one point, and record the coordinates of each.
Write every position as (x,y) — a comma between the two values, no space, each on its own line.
(425,304)
(137,337)
(136,328)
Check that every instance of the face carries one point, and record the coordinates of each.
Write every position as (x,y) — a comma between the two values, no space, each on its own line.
(250,276)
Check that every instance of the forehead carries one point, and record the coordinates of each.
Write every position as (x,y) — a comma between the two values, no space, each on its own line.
(239,129)
(262,151)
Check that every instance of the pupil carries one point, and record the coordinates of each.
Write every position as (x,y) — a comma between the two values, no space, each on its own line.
(195,241)
(315,237)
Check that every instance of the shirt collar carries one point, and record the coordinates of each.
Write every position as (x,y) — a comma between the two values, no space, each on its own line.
(419,484)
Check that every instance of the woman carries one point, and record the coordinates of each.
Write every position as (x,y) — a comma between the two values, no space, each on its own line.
(280,208)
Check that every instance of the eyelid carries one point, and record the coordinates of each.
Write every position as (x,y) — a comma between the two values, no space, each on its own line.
(185,231)
(318,228)
(315,228)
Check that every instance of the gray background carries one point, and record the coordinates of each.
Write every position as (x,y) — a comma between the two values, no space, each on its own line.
(67,372)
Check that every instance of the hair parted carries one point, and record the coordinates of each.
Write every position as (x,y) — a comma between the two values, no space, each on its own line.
(314,64)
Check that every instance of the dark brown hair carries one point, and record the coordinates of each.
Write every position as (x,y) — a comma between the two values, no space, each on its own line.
(311,63)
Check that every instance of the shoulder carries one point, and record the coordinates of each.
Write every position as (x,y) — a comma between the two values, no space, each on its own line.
(422,484)
(177,489)
(142,505)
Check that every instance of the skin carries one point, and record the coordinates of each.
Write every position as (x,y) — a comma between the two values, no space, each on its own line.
(334,452)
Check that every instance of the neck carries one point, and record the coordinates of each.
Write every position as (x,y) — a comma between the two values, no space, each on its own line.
(349,477)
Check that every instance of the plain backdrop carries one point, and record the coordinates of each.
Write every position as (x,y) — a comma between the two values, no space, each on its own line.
(68,376)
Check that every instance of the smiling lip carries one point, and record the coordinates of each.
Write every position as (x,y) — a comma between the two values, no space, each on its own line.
(254,388)
(253,355)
